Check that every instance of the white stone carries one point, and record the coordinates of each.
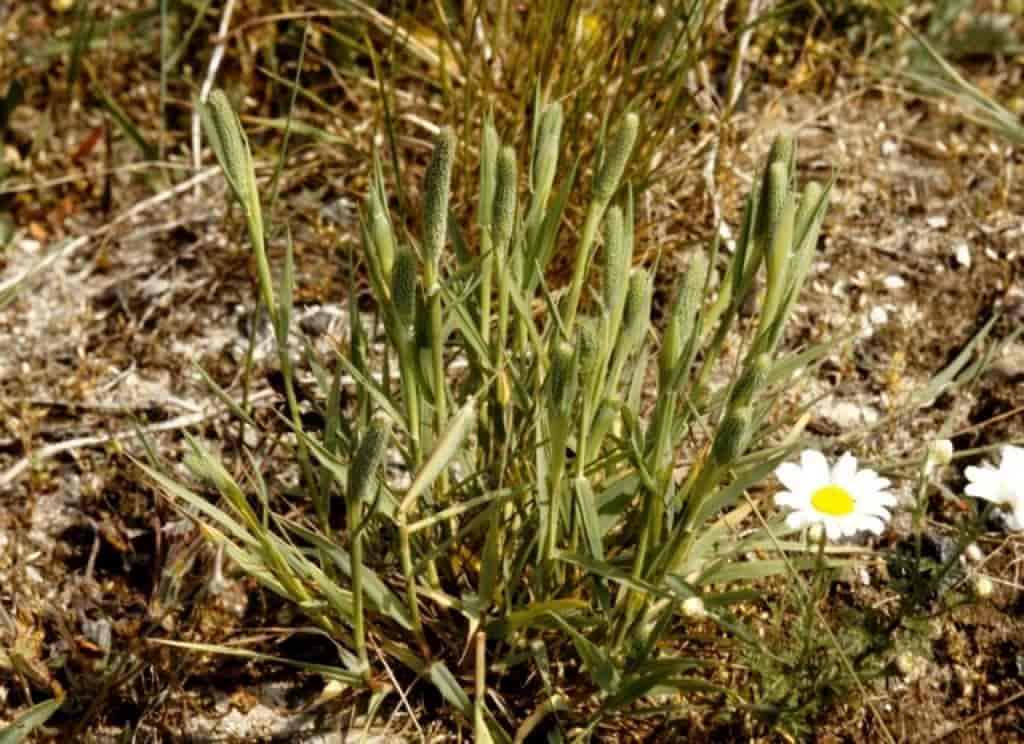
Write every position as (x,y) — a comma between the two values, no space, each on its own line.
(962,253)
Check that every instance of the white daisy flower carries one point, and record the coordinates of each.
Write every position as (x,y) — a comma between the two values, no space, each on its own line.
(841,498)
(1003,485)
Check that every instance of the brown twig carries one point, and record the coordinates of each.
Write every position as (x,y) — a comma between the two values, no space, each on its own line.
(967,722)
(46,453)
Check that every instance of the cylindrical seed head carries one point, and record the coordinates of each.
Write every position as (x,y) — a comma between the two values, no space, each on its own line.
(403,286)
(228,140)
(367,459)
(615,280)
(673,339)
(588,345)
(488,173)
(505,199)
(615,159)
(750,381)
(561,388)
(636,314)
(683,320)
(380,231)
(435,201)
(545,160)
(732,437)
(691,298)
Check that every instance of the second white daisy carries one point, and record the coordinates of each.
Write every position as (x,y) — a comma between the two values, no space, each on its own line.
(841,498)
(1003,485)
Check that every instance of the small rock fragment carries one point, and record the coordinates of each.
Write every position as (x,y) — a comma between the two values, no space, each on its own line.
(962,254)
(1010,366)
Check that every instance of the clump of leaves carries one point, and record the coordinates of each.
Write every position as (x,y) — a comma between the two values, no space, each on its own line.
(528,496)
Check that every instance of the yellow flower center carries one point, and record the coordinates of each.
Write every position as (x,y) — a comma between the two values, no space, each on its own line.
(832,500)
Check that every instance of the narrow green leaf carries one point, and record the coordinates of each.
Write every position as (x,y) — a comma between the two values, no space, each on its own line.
(534,614)
(444,451)
(450,689)
(599,664)
(25,723)
(328,672)
(587,509)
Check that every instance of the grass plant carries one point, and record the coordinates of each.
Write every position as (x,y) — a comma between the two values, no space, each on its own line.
(544,501)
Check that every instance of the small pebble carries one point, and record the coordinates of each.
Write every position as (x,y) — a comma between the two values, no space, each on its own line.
(962,253)
(937,221)
(893,282)
(879,316)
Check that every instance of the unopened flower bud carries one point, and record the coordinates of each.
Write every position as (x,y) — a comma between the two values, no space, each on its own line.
(940,452)
(816,534)
(973,553)
(693,608)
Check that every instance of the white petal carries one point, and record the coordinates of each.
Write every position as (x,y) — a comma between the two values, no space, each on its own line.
(974,473)
(799,519)
(1013,458)
(815,467)
(834,529)
(875,499)
(871,524)
(792,500)
(1015,519)
(791,476)
(885,498)
(868,480)
(874,510)
(985,483)
(845,470)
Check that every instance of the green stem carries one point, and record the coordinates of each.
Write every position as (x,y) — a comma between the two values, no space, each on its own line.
(559,434)
(354,522)
(296,415)
(411,394)
(594,215)
(405,548)
(684,536)
(486,280)
(437,357)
